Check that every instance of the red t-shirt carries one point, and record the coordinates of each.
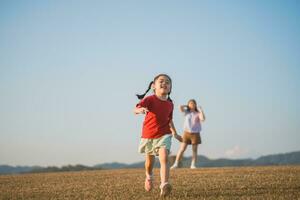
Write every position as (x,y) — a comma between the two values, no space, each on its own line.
(156,123)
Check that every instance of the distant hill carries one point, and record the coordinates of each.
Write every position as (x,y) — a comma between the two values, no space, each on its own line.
(292,158)
(113,165)
(7,169)
(279,159)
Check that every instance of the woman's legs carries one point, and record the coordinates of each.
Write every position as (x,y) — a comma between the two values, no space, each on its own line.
(194,156)
(179,154)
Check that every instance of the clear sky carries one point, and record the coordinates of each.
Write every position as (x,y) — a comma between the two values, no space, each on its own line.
(69,72)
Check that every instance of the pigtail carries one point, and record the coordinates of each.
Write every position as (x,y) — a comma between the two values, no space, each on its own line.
(169,99)
(141,96)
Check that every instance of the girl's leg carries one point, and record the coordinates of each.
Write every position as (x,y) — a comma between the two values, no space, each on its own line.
(194,156)
(164,168)
(149,163)
(179,154)
(164,172)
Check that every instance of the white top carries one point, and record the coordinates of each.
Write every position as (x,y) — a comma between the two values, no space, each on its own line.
(192,122)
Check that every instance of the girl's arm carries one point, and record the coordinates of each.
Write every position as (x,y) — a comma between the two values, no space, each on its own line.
(181,108)
(201,114)
(174,132)
(140,110)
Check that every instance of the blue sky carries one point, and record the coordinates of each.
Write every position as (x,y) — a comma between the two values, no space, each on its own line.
(69,72)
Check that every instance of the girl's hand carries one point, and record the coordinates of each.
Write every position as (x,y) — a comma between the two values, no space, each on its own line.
(142,110)
(178,137)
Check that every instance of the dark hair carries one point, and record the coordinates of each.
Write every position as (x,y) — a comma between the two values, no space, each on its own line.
(141,96)
(188,108)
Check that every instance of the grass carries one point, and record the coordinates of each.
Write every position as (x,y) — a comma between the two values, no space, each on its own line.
(279,182)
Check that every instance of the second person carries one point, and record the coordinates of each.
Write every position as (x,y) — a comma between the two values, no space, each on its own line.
(193,116)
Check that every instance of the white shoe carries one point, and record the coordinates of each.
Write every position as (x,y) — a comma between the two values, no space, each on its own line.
(165,189)
(193,167)
(149,183)
(174,167)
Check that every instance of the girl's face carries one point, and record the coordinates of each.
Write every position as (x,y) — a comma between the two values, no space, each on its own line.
(192,105)
(162,85)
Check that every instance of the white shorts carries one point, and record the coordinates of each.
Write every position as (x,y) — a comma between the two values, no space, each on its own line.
(152,146)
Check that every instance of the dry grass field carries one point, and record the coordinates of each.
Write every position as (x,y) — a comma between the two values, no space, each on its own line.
(204,183)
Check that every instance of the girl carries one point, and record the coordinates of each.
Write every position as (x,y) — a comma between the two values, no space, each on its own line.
(192,127)
(158,129)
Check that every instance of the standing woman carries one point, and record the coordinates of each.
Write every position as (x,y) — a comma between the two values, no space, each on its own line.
(193,116)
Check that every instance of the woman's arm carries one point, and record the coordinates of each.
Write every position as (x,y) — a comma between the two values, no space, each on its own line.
(182,108)
(201,114)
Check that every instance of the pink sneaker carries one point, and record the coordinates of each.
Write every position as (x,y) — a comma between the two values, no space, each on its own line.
(165,189)
(148,184)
